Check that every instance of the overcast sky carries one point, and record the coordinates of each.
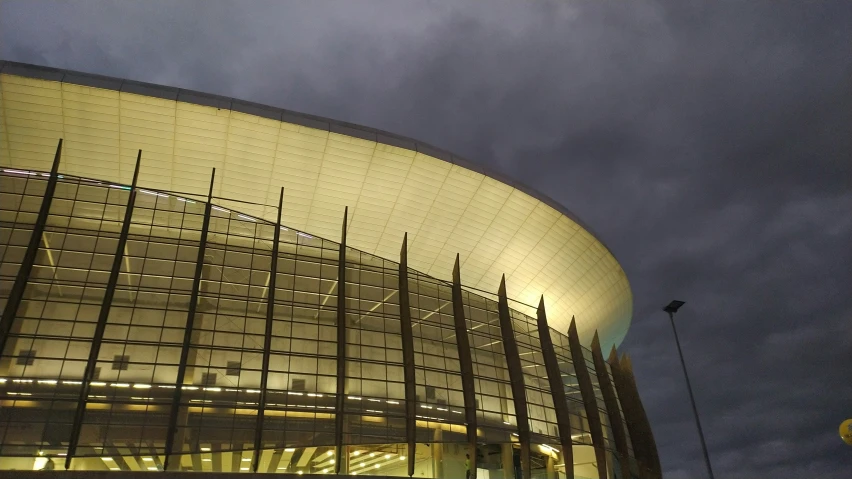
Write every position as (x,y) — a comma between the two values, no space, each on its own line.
(709,146)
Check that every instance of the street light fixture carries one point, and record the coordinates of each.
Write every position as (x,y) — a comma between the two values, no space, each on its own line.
(672,309)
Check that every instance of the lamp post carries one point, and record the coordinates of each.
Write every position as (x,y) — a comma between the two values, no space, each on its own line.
(672,309)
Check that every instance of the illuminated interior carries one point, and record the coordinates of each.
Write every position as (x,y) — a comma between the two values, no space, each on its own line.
(127,402)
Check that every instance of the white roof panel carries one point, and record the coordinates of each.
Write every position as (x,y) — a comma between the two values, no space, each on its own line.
(446,207)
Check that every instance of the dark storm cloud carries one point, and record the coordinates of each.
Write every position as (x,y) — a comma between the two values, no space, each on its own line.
(709,145)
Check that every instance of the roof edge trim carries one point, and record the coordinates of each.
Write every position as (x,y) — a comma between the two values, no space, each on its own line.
(40,72)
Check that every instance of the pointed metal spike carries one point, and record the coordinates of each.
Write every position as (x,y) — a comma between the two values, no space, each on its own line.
(457,271)
(596,341)
(613,356)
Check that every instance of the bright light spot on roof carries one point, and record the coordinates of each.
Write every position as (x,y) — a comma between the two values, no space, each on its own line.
(19,172)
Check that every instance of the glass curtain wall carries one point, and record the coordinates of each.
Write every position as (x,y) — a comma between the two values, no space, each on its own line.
(46,351)
(127,411)
(374,432)
(298,426)
(634,467)
(609,442)
(499,451)
(584,457)
(440,422)
(544,432)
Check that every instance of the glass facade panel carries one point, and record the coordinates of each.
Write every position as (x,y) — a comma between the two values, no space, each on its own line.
(301,387)
(439,396)
(374,406)
(127,409)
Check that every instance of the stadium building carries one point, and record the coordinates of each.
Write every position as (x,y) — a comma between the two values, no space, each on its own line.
(196,283)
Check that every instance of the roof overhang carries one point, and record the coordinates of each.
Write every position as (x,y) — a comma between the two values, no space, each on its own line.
(392,185)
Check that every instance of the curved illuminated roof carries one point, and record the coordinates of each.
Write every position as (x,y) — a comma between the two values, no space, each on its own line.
(391,184)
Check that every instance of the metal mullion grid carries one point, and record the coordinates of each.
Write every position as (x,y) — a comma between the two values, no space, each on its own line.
(443,331)
(13,227)
(97,233)
(177,401)
(210,348)
(26,193)
(434,320)
(550,423)
(79,301)
(319,293)
(578,412)
(445,345)
(362,312)
(609,441)
(152,239)
(113,400)
(320,260)
(150,398)
(78,203)
(445,372)
(131,342)
(481,394)
(631,454)
(16,225)
(247,297)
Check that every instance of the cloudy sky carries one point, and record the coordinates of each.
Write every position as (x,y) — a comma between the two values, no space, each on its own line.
(709,145)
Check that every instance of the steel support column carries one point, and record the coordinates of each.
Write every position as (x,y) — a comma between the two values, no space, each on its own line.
(103,315)
(653,455)
(341,347)
(466,363)
(626,402)
(10,311)
(267,336)
(641,436)
(557,390)
(407,353)
(611,400)
(590,403)
(516,376)
(190,321)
